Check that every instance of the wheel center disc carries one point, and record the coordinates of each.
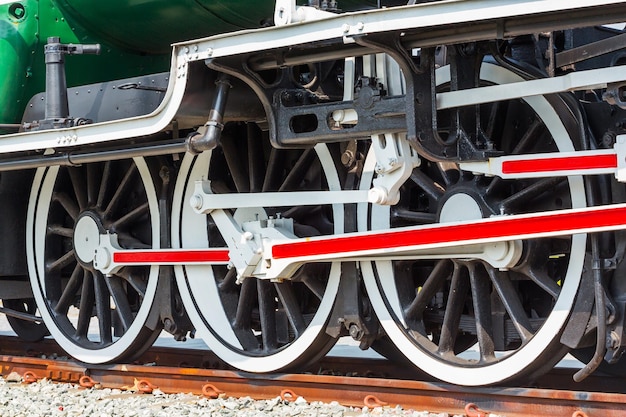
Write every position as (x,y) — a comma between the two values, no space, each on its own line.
(460,207)
(86,238)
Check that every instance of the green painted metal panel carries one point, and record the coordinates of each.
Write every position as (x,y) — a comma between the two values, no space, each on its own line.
(18,41)
(152,25)
(135,36)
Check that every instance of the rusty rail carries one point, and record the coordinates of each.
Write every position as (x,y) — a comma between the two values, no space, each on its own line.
(355,391)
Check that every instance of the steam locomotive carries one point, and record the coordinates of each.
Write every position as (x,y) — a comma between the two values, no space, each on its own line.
(440,180)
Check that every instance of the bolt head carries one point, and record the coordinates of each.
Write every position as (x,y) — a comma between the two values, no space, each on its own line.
(196,201)
(102,258)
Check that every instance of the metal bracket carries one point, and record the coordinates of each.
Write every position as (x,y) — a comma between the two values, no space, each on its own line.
(615,95)
(616,334)
(352,312)
(395,160)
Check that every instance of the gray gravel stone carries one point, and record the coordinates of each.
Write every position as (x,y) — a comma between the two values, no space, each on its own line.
(46,398)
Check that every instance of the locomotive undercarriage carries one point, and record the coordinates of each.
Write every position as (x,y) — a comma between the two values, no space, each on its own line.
(406,183)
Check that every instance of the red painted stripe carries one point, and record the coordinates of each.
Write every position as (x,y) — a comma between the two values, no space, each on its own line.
(502,228)
(179,256)
(560,164)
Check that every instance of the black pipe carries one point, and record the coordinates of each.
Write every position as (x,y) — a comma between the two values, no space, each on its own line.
(599,293)
(197,142)
(20,315)
(79,158)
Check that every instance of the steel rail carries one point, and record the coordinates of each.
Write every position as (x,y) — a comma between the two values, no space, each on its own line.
(355,391)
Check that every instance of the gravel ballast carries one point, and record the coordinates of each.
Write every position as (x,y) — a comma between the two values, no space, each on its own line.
(46,398)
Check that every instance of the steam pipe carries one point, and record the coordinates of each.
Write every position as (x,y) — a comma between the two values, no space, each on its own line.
(200,142)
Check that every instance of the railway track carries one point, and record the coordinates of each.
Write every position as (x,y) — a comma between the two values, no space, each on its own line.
(371,382)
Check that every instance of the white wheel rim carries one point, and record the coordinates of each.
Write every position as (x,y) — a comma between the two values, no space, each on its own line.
(39,202)
(213,326)
(388,307)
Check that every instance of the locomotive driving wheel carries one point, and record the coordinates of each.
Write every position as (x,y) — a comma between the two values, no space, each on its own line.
(461,319)
(257,325)
(96,318)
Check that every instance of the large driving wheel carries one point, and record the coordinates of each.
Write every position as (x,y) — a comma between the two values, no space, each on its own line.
(96,318)
(463,320)
(258,325)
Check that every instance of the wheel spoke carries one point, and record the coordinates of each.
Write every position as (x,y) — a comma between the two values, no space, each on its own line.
(314,285)
(530,138)
(543,280)
(459,287)
(494,185)
(229,282)
(85,306)
(512,303)
(61,262)
(120,300)
(245,305)
(299,212)
(415,217)
(256,160)
(449,172)
(291,306)
(103,308)
(267,315)
(430,187)
(235,167)
(67,203)
(527,195)
(271,180)
(79,186)
(243,317)
(494,118)
(136,280)
(70,291)
(428,290)
(104,184)
(298,172)
(92,184)
(131,217)
(482,312)
(59,230)
(127,241)
(120,193)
